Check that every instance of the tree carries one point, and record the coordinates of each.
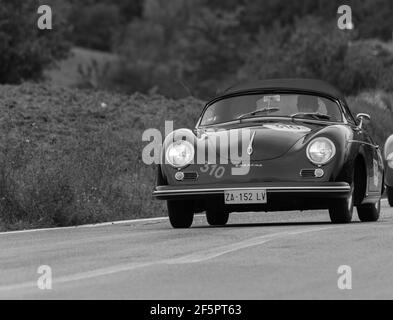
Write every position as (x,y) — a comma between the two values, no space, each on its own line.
(99,24)
(180,47)
(314,48)
(95,25)
(213,49)
(25,51)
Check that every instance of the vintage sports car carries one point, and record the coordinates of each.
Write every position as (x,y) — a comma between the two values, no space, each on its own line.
(388,150)
(305,151)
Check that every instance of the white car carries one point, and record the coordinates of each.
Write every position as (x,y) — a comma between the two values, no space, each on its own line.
(388,152)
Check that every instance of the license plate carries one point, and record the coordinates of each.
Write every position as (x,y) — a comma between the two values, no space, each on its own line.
(245,196)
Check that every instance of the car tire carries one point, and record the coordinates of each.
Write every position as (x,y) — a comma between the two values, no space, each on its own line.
(341,211)
(369,212)
(181,214)
(217,218)
(389,191)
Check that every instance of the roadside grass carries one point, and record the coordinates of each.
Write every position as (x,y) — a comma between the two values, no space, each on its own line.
(71,157)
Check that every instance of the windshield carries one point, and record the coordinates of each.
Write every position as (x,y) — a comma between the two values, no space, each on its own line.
(272,105)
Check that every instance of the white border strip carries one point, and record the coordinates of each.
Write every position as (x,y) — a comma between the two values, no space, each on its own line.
(104,224)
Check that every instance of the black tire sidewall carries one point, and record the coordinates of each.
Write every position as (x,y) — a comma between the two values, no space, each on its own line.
(368,212)
(341,211)
(389,192)
(181,214)
(217,218)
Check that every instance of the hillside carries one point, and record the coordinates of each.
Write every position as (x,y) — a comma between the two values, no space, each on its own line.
(67,73)
(69,156)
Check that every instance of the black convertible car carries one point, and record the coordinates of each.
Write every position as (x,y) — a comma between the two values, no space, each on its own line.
(301,149)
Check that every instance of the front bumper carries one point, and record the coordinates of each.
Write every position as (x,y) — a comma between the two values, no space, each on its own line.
(276,189)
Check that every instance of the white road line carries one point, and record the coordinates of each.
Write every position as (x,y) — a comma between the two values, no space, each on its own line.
(97,225)
(197,257)
(105,224)
(252,242)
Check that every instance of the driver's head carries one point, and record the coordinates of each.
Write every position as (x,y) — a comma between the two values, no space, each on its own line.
(307,104)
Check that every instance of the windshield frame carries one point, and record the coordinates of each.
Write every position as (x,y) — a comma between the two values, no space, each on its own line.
(261,118)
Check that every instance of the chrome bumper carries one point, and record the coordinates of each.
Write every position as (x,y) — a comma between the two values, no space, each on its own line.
(330,189)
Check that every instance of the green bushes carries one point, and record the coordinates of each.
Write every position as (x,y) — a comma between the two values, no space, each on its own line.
(95,25)
(24,49)
(368,64)
(180,48)
(316,49)
(379,105)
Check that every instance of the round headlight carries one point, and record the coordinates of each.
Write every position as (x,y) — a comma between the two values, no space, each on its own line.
(321,150)
(180,154)
(389,159)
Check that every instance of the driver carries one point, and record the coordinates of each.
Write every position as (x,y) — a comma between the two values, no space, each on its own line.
(307,104)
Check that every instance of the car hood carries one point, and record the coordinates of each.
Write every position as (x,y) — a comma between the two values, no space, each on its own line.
(267,141)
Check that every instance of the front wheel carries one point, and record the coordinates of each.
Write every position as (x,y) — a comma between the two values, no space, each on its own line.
(217,218)
(389,191)
(369,212)
(181,213)
(341,211)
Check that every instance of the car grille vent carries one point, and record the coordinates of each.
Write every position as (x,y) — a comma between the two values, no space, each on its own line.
(190,175)
(308,173)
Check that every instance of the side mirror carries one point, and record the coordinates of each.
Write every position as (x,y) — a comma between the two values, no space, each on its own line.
(361,117)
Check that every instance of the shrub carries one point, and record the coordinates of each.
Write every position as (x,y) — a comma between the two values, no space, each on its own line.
(24,49)
(367,65)
(180,47)
(94,25)
(378,105)
(316,49)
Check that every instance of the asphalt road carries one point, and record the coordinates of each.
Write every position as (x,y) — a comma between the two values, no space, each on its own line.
(289,255)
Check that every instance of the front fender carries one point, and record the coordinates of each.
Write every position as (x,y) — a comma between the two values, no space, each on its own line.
(180,134)
(388,150)
(341,166)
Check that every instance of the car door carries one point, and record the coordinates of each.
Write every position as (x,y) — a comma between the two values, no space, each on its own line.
(374,160)
(372,154)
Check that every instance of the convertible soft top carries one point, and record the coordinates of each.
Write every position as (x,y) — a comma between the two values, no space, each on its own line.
(307,85)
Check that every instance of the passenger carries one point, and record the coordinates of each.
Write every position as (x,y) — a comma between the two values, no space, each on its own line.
(307,104)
